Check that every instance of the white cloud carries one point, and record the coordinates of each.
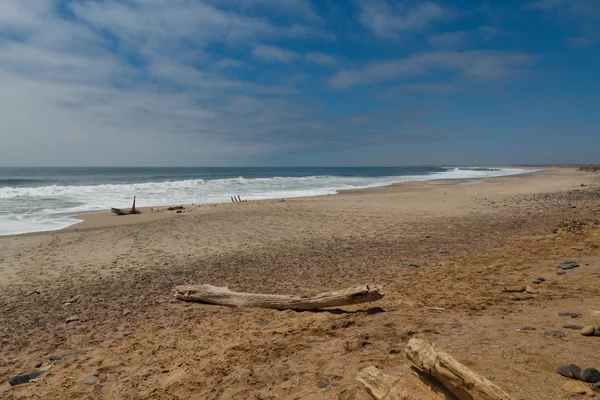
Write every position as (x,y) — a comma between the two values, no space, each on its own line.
(320,58)
(274,54)
(388,22)
(482,65)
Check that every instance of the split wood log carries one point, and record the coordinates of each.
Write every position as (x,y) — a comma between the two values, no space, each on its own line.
(225,297)
(407,386)
(460,380)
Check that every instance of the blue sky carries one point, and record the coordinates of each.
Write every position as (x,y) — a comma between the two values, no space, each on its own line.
(299,82)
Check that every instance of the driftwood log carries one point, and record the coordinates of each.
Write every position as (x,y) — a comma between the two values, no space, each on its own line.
(120,211)
(460,380)
(408,386)
(225,297)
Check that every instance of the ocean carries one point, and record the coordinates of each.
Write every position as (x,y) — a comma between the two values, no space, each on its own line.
(42,199)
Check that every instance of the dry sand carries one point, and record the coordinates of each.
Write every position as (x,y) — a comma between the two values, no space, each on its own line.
(469,239)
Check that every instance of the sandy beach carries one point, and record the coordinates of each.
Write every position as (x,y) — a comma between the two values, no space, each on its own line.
(469,239)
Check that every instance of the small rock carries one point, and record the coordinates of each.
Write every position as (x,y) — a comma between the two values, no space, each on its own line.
(455,325)
(38,365)
(569,371)
(527,328)
(444,252)
(555,333)
(596,332)
(126,312)
(568,265)
(35,320)
(561,273)
(587,331)
(177,323)
(514,289)
(574,327)
(72,318)
(590,375)
(90,381)
(72,353)
(577,388)
(324,385)
(498,273)
(263,322)
(54,358)
(27,376)
(540,279)
(569,314)
(414,265)
(536,281)
(578,248)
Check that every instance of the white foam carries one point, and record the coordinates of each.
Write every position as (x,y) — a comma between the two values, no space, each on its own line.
(197,191)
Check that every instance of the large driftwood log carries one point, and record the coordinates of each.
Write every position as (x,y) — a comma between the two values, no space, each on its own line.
(460,380)
(407,386)
(225,297)
(120,211)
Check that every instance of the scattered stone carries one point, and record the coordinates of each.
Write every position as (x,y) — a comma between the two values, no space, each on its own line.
(72,300)
(444,252)
(597,332)
(118,335)
(38,365)
(555,334)
(263,322)
(574,327)
(90,381)
(455,325)
(498,274)
(527,328)
(541,279)
(324,385)
(536,281)
(54,358)
(569,371)
(577,388)
(177,323)
(548,293)
(590,375)
(561,273)
(514,289)
(569,314)
(72,353)
(578,248)
(27,376)
(587,331)
(568,265)
(414,265)
(530,290)
(72,318)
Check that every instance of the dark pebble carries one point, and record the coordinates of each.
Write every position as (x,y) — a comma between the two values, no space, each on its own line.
(536,281)
(569,371)
(35,320)
(590,375)
(414,265)
(323,385)
(575,327)
(597,332)
(444,252)
(555,333)
(24,378)
(455,325)
(569,314)
(541,279)
(527,328)
(561,273)
(54,358)
(38,365)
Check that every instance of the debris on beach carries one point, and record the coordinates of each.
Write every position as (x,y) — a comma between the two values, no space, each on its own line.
(175,208)
(27,376)
(225,297)
(120,211)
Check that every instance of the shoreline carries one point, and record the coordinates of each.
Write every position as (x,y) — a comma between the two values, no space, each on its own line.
(104,218)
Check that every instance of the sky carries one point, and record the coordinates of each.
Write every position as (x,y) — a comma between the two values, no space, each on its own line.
(298,82)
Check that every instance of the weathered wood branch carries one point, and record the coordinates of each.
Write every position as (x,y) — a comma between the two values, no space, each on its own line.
(225,297)
(460,380)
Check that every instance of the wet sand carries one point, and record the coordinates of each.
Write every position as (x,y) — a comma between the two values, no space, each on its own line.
(469,240)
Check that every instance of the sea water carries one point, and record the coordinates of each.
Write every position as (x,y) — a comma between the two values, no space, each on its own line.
(41,199)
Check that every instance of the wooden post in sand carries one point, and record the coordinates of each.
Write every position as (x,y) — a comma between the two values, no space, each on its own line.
(460,380)
(225,297)
(239,198)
